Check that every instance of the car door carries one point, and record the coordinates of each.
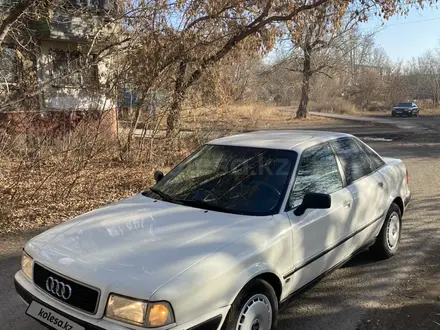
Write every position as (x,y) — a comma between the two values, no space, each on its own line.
(367,186)
(378,166)
(318,235)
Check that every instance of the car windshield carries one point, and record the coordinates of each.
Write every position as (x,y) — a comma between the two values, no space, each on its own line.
(405,104)
(231,179)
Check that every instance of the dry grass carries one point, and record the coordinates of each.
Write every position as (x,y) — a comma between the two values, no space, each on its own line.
(46,181)
(243,117)
(336,105)
(28,203)
(430,111)
(427,107)
(38,197)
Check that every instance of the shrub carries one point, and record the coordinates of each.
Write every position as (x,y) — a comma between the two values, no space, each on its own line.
(337,105)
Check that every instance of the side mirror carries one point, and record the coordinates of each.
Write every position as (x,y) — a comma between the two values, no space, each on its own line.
(158,175)
(314,201)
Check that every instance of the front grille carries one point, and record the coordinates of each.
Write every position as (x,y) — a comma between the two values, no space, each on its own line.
(83,297)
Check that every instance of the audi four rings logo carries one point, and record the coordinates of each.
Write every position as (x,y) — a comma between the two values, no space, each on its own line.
(58,288)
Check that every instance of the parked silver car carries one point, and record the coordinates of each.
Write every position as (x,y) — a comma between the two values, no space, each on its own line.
(405,109)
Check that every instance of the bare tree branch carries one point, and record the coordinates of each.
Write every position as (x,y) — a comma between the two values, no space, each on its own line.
(250,29)
(14,14)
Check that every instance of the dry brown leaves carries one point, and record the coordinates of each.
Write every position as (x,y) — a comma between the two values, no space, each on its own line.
(32,203)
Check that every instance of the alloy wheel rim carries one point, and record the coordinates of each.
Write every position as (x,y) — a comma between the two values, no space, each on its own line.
(256,314)
(393,231)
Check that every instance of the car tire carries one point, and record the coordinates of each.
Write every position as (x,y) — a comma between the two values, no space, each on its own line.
(387,242)
(259,301)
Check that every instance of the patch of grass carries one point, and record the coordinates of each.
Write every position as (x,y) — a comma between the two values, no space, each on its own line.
(430,111)
(240,117)
(336,105)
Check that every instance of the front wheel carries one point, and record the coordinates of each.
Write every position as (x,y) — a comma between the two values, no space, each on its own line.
(387,243)
(255,308)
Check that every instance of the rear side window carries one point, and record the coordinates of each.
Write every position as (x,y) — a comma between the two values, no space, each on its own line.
(376,161)
(354,161)
(318,172)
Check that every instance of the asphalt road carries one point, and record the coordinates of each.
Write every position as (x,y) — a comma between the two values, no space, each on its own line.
(425,123)
(364,294)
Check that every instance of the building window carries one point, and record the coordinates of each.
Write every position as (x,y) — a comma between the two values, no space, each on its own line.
(70,69)
(8,65)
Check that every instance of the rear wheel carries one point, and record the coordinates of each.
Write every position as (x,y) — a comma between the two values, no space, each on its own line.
(387,243)
(255,308)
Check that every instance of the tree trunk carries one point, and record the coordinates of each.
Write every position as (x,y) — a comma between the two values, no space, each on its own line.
(176,104)
(132,132)
(305,88)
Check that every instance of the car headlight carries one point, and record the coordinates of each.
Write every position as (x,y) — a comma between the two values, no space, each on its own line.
(137,312)
(159,315)
(26,264)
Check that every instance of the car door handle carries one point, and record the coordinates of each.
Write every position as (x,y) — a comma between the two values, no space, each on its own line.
(380,184)
(347,203)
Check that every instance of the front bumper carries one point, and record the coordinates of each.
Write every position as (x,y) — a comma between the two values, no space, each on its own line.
(28,292)
(403,112)
(28,298)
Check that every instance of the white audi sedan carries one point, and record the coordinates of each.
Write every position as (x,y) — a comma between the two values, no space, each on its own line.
(221,240)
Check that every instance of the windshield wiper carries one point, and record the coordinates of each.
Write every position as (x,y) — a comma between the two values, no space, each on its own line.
(165,196)
(194,203)
(204,205)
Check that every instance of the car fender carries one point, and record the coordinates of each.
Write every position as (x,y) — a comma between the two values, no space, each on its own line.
(392,197)
(254,271)
(215,281)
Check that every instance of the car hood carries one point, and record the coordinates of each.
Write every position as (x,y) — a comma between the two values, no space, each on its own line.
(136,245)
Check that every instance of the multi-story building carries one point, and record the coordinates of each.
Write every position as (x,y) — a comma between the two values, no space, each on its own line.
(61,56)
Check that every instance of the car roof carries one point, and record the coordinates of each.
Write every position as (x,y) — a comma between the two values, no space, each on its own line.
(297,140)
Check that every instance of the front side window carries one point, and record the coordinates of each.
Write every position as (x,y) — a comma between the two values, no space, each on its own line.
(231,179)
(354,161)
(375,160)
(318,172)
(8,65)
(69,68)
